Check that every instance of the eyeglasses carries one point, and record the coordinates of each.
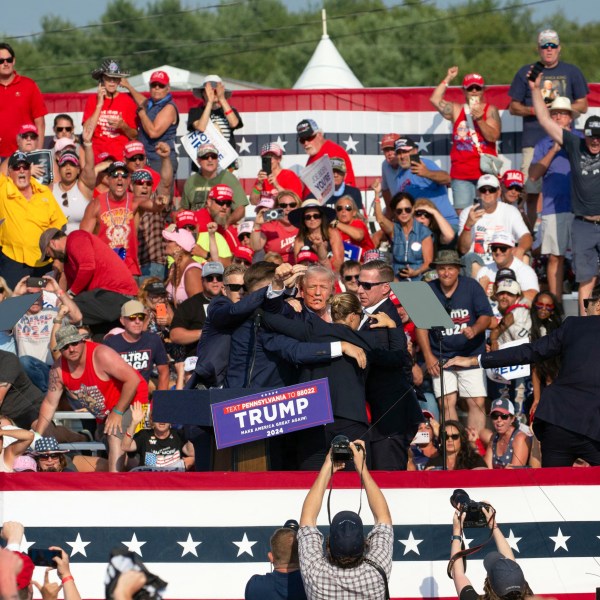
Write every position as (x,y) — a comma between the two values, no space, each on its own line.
(142,183)
(211,278)
(222,202)
(367,285)
(235,287)
(488,189)
(303,141)
(119,174)
(71,345)
(10,60)
(496,415)
(474,88)
(496,248)
(313,217)
(589,301)
(209,157)
(546,46)
(541,306)
(450,436)
(344,207)
(351,278)
(61,129)
(29,136)
(422,213)
(155,84)
(65,200)
(138,317)
(21,167)
(47,456)
(137,157)
(406,209)
(288,205)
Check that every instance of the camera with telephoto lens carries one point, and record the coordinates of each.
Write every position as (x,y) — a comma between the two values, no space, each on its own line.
(273,214)
(472,510)
(340,449)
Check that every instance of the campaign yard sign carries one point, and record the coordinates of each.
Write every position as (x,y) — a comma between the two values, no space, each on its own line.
(271,413)
(318,177)
(211,135)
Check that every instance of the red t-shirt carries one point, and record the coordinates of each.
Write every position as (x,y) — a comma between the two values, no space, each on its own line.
(106,138)
(288,180)
(20,102)
(366,243)
(203,218)
(334,151)
(91,265)
(280,239)
(464,157)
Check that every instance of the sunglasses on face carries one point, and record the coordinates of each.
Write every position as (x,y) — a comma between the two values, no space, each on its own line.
(10,60)
(71,345)
(138,317)
(516,188)
(422,213)
(155,84)
(47,456)
(223,202)
(495,248)
(303,141)
(313,217)
(541,306)
(366,285)
(546,46)
(589,301)
(136,158)
(29,136)
(344,207)
(496,415)
(351,278)
(61,129)
(211,278)
(21,167)
(146,183)
(406,209)
(118,175)
(288,205)
(474,88)
(243,236)
(451,436)
(209,157)
(488,189)
(235,287)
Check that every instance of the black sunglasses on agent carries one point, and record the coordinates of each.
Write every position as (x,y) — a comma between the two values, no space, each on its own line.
(10,60)
(235,287)
(367,285)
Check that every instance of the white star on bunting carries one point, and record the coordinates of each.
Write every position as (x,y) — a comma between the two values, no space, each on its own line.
(25,545)
(350,144)
(411,544)
(245,545)
(513,541)
(244,146)
(189,546)
(422,145)
(280,142)
(78,546)
(560,540)
(134,545)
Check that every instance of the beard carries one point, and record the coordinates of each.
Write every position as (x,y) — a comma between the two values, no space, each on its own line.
(220,219)
(59,255)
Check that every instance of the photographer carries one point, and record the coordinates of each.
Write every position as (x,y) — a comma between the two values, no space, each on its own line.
(352,565)
(504,579)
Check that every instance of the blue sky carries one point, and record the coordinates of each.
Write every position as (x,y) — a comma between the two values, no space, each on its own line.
(23,17)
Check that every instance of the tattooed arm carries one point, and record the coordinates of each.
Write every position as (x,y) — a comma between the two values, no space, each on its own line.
(50,402)
(445,108)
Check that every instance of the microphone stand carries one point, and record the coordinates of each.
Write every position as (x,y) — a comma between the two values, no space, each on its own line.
(438,334)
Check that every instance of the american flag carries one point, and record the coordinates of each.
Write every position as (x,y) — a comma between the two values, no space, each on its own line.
(207,533)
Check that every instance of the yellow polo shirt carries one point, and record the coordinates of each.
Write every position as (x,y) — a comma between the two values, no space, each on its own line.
(26,220)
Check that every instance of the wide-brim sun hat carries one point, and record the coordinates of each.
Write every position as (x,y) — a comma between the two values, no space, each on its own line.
(297,215)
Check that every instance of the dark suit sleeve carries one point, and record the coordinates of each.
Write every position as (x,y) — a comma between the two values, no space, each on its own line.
(291,327)
(545,347)
(395,354)
(297,353)
(226,314)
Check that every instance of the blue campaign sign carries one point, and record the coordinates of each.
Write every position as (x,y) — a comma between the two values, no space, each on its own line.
(352,252)
(271,413)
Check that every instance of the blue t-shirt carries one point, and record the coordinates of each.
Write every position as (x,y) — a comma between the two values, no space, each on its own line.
(556,183)
(408,252)
(421,187)
(388,176)
(585,176)
(465,306)
(562,80)
(275,586)
(142,355)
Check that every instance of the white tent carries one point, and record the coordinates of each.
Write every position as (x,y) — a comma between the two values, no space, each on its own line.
(327,68)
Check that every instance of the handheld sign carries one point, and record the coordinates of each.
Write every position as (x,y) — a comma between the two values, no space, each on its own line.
(506,374)
(211,135)
(318,177)
(271,413)
(44,159)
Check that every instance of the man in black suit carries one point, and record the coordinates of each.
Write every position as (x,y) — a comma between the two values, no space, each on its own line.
(566,420)
(395,410)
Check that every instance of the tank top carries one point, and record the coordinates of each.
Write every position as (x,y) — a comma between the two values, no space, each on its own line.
(152,110)
(4,468)
(501,462)
(93,393)
(73,203)
(464,157)
(118,229)
(179,295)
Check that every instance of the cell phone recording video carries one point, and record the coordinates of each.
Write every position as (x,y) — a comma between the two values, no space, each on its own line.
(37,282)
(415,158)
(266,164)
(537,68)
(42,557)
(161,310)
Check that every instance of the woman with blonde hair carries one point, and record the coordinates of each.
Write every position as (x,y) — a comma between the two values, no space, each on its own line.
(350,224)
(22,437)
(427,213)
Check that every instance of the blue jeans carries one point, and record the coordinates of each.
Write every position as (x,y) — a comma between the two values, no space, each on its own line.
(37,371)
(463,192)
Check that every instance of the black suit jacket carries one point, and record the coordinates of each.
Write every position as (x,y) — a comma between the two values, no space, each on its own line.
(572,401)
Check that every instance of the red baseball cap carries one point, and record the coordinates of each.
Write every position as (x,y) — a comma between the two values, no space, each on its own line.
(512,178)
(244,253)
(473,79)
(133,148)
(221,192)
(389,140)
(26,572)
(28,128)
(185,217)
(160,77)
(307,255)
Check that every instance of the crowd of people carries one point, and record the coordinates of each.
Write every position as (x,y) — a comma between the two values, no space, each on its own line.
(136,288)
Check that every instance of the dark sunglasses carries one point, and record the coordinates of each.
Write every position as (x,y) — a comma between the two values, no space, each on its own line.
(474,88)
(243,236)
(71,345)
(137,157)
(10,60)
(207,156)
(65,200)
(142,183)
(488,189)
(422,213)
(30,136)
(450,436)
(303,141)
(589,301)
(351,278)
(518,188)
(155,84)
(47,456)
(546,46)
(21,167)
(138,317)
(365,285)
(288,205)
(61,129)
(496,415)
(235,287)
(211,278)
(223,202)
(119,174)
(406,209)
(541,306)
(496,248)
(344,207)
(313,217)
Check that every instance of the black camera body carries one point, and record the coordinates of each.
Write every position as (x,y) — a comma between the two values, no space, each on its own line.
(340,449)
(273,214)
(474,516)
